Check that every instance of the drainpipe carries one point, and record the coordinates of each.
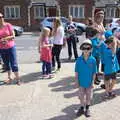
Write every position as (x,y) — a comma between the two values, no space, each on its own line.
(58,8)
(29,20)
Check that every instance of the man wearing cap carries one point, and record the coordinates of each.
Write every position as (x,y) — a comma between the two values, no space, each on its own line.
(85,73)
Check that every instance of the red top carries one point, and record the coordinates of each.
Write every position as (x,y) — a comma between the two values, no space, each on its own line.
(45,51)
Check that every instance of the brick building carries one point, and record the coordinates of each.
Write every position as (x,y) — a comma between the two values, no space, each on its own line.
(15,11)
(79,9)
(29,13)
(111,8)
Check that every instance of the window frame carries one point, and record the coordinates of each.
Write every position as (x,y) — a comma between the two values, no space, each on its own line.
(35,15)
(16,16)
(109,15)
(78,7)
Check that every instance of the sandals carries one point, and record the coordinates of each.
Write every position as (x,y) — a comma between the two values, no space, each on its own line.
(8,81)
(18,82)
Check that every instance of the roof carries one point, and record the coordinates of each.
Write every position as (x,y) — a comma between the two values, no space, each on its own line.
(102,3)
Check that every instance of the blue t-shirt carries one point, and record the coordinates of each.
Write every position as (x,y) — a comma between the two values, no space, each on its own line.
(85,69)
(110,61)
(96,48)
(102,47)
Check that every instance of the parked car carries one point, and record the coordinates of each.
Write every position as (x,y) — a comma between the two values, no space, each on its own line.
(48,22)
(18,30)
(81,27)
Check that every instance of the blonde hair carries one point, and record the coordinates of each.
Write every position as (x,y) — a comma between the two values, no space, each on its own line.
(58,22)
(45,32)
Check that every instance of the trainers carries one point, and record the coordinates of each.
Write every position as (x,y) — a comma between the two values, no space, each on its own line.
(103,86)
(97,82)
(87,113)
(112,94)
(80,112)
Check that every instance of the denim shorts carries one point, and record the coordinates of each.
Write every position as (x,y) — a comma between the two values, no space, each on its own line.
(9,58)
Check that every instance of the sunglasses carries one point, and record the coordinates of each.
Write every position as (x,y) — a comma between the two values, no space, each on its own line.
(86,48)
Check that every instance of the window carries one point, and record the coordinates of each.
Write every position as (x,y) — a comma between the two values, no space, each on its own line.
(77,11)
(12,12)
(110,12)
(39,12)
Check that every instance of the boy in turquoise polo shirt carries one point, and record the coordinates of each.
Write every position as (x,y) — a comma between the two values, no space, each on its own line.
(111,66)
(85,73)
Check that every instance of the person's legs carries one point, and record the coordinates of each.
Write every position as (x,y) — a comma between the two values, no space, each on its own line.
(74,47)
(89,94)
(14,64)
(43,67)
(82,98)
(58,51)
(0,59)
(48,68)
(53,57)
(69,48)
(6,60)
(107,88)
(112,84)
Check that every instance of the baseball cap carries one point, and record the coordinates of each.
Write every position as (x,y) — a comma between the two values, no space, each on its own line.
(108,34)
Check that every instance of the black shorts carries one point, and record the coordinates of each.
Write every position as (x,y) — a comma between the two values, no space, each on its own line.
(102,67)
(110,76)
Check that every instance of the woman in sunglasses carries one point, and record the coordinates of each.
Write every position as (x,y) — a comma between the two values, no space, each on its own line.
(8,49)
(85,73)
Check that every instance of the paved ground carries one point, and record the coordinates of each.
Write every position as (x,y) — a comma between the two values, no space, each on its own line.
(54,99)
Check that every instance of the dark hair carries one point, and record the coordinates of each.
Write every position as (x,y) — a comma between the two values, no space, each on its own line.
(109,40)
(91,32)
(90,21)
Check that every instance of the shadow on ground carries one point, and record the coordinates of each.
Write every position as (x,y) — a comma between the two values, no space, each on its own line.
(68,84)
(69,113)
(26,78)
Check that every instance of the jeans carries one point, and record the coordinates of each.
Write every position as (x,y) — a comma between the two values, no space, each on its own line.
(9,58)
(46,68)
